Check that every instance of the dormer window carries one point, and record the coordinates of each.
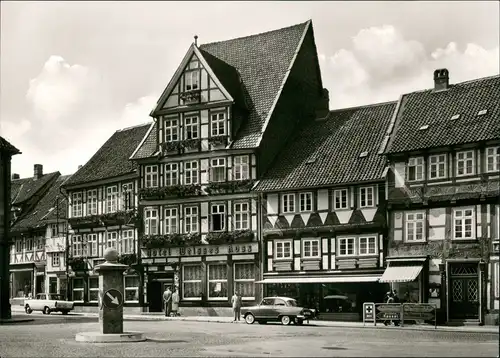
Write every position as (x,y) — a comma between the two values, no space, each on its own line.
(171,130)
(191,127)
(192,80)
(218,124)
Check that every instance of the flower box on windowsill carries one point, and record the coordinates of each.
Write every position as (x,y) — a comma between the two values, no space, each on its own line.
(170,147)
(78,264)
(229,237)
(191,97)
(121,217)
(85,222)
(170,240)
(220,140)
(170,191)
(190,144)
(128,259)
(234,186)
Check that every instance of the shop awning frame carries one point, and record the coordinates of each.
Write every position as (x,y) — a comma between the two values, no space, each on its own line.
(329,279)
(406,273)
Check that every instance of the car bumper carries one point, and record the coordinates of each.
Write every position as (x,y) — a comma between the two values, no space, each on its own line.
(301,316)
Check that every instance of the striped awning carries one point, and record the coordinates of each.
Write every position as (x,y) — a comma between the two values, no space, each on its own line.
(406,273)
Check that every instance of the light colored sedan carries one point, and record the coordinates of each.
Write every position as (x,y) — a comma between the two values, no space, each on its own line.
(47,303)
(280,309)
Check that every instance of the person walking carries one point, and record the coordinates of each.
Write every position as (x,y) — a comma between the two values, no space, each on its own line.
(167,301)
(236,301)
(175,302)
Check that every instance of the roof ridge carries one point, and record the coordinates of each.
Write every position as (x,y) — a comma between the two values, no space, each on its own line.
(28,178)
(362,106)
(474,80)
(255,35)
(132,127)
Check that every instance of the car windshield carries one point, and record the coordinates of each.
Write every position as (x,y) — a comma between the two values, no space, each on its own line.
(291,303)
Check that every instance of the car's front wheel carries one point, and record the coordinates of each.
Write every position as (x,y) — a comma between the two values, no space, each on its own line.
(249,318)
(28,309)
(46,310)
(285,320)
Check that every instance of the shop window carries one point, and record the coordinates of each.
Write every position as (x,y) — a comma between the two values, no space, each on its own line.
(288,203)
(218,170)
(151,176)
(151,221)
(244,280)
(171,174)
(171,220)
(347,246)
(127,242)
(91,202)
(415,169)
(415,226)
(241,216)
(77,245)
(366,197)
(111,199)
(368,245)
(283,249)
(191,173)
(340,199)
(191,219)
(78,287)
(305,200)
(92,244)
(218,124)
(218,217)
(93,289)
(464,223)
(310,248)
(493,160)
(217,282)
(132,289)
(241,167)
(465,163)
(77,204)
(191,282)
(437,166)
(171,130)
(56,259)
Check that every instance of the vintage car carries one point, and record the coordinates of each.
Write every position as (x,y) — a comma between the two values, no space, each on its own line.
(47,303)
(280,309)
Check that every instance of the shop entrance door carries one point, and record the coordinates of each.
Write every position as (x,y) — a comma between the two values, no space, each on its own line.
(155,296)
(464,291)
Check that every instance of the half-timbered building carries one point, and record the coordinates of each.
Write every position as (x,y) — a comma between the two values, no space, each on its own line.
(443,198)
(102,198)
(228,109)
(323,211)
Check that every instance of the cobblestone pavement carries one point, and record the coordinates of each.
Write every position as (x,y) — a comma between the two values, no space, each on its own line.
(54,336)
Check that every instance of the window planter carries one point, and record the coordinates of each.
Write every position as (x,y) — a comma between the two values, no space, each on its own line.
(218,140)
(128,259)
(85,222)
(169,191)
(190,144)
(191,97)
(78,264)
(170,240)
(118,218)
(234,186)
(215,238)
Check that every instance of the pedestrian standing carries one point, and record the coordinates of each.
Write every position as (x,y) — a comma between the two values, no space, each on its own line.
(390,299)
(167,301)
(236,301)
(396,300)
(175,301)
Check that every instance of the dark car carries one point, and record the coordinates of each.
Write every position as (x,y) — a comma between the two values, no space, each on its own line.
(280,309)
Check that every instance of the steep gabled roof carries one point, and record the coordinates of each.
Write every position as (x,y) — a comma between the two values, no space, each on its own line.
(329,152)
(51,207)
(436,111)
(24,189)
(262,62)
(112,159)
(148,146)
(5,146)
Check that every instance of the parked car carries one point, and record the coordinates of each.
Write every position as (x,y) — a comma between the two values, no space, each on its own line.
(280,309)
(47,303)
(337,303)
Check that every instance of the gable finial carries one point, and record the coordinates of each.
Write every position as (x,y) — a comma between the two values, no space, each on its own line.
(196,40)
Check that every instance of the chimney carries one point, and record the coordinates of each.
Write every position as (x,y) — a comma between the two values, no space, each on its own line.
(441,79)
(323,105)
(37,171)
(196,40)
(15,176)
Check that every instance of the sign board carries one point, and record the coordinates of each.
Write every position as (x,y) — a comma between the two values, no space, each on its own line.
(368,312)
(419,311)
(387,312)
(202,250)
(112,299)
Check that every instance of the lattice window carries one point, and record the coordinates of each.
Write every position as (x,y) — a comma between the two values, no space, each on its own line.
(457,291)
(464,270)
(472,291)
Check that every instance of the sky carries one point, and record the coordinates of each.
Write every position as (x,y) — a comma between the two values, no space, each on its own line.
(72,73)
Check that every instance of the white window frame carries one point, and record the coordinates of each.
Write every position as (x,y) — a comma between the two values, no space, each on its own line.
(19,245)
(365,196)
(339,194)
(184,281)
(82,289)
(171,225)
(241,167)
(151,176)
(418,164)
(463,218)
(412,220)
(217,119)
(218,209)
(53,230)
(309,253)
(77,204)
(191,126)
(40,243)
(192,80)
(77,245)
(279,248)
(244,280)
(94,289)
(151,226)
(55,259)
(462,158)
(127,244)
(191,172)
(128,201)
(496,279)
(241,216)
(288,203)
(306,202)
(112,240)
(367,239)
(92,202)
(191,219)
(130,288)
(171,126)
(347,239)
(217,280)
(28,244)
(492,159)
(171,174)
(439,161)
(92,245)
(217,164)
(111,199)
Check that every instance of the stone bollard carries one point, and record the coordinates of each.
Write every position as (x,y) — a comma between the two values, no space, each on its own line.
(111,298)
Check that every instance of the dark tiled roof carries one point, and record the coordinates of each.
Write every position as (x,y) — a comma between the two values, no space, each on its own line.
(262,61)
(112,159)
(46,210)
(327,152)
(5,146)
(24,189)
(435,109)
(148,147)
